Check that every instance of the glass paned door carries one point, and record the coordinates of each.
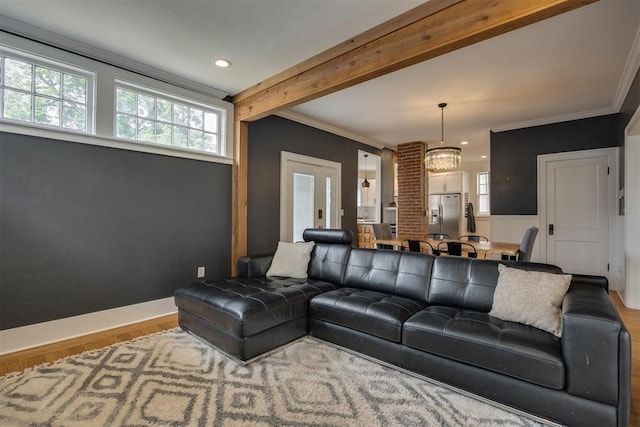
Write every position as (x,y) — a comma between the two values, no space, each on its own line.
(303,203)
(309,195)
(328,205)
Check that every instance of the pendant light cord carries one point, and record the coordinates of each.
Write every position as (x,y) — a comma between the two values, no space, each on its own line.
(442,122)
(442,105)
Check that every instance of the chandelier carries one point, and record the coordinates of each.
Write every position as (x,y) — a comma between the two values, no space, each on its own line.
(442,158)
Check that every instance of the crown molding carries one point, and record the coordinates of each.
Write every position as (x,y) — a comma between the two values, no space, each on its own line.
(554,119)
(306,120)
(630,70)
(624,85)
(27,31)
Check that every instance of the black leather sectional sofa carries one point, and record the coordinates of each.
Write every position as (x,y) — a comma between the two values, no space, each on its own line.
(429,315)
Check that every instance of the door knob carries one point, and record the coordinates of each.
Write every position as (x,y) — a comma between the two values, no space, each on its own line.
(550,229)
(319,213)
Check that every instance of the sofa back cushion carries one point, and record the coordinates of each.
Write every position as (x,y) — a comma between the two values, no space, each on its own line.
(330,255)
(470,283)
(405,274)
(338,236)
(328,262)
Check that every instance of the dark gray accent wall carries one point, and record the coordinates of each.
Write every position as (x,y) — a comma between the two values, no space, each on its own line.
(514,157)
(86,228)
(631,102)
(267,139)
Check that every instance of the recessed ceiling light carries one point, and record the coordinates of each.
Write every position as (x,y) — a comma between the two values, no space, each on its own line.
(483,156)
(222,63)
(464,142)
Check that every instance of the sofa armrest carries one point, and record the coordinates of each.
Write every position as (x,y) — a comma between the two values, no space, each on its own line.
(591,344)
(601,281)
(254,266)
(624,387)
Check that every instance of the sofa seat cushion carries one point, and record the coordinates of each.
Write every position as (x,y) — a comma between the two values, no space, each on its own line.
(372,312)
(481,340)
(246,306)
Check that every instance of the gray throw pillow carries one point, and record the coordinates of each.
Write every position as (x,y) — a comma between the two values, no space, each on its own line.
(530,297)
(291,260)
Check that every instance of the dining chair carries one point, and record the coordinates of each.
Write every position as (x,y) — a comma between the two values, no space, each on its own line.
(437,236)
(457,249)
(382,231)
(526,246)
(473,238)
(416,246)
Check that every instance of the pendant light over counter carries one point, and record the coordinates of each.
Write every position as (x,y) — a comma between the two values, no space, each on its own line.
(365,183)
(442,158)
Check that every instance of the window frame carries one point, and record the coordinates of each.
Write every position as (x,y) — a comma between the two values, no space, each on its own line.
(63,68)
(480,194)
(219,112)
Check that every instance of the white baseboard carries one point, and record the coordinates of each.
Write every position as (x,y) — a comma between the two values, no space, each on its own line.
(24,337)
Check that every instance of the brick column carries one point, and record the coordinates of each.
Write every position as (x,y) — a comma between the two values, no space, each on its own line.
(412,190)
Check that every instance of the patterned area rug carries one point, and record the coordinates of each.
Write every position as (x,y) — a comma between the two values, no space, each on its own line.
(173,378)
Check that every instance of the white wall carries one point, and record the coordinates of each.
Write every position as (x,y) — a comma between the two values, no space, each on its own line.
(483,223)
(630,293)
(483,226)
(511,228)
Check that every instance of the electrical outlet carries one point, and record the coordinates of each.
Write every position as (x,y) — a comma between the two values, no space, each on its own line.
(200,272)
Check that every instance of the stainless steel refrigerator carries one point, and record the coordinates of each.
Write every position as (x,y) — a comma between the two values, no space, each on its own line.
(444,214)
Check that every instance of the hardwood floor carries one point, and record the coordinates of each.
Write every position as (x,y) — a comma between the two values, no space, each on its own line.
(22,360)
(631,319)
(52,352)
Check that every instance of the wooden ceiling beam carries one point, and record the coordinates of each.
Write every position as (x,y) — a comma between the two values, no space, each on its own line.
(368,36)
(427,31)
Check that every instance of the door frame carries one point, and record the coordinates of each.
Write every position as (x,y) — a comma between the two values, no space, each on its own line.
(286,158)
(377,161)
(630,290)
(613,159)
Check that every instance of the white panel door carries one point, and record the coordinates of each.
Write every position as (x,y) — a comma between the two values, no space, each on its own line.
(577,215)
(309,195)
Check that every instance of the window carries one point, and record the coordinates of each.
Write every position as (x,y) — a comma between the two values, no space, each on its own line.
(54,93)
(45,94)
(483,193)
(146,116)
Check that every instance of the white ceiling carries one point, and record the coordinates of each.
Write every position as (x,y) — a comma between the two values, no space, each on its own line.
(566,67)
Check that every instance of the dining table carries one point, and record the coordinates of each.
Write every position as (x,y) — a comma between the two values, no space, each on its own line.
(484,249)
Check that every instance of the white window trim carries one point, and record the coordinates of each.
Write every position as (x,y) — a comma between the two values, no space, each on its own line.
(88,74)
(222,131)
(142,147)
(104,112)
(478,213)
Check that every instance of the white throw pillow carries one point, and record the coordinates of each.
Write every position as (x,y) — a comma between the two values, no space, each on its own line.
(291,260)
(530,297)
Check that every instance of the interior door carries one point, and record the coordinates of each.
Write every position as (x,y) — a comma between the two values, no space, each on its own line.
(577,215)
(309,195)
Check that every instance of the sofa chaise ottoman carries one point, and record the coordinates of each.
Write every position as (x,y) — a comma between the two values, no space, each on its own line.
(248,315)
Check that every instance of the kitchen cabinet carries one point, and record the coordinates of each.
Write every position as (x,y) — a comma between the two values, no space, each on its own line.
(365,236)
(448,182)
